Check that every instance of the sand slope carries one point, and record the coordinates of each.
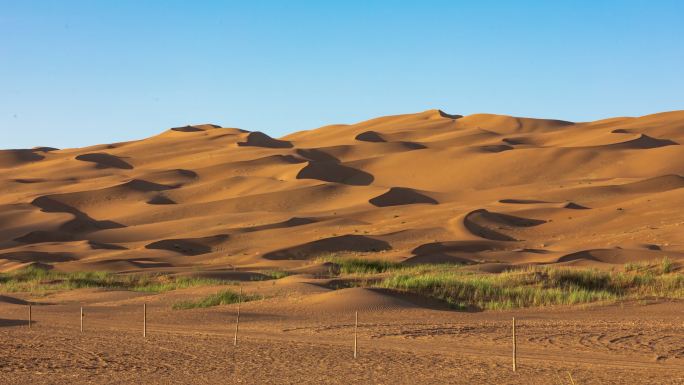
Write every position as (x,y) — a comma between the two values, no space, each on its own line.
(422,187)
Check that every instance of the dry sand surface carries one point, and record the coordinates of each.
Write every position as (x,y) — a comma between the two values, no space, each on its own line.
(492,190)
(289,341)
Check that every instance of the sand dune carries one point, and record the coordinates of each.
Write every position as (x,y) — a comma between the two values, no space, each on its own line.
(495,190)
(349,300)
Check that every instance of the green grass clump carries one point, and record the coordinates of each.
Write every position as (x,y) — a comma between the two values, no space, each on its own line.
(37,280)
(275,274)
(225,297)
(496,291)
(159,284)
(534,286)
(664,266)
(636,266)
(360,266)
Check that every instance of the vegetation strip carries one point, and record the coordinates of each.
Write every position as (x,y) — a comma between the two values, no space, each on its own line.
(528,287)
(37,280)
(224,297)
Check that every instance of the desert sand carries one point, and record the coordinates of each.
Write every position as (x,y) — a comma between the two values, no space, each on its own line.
(498,192)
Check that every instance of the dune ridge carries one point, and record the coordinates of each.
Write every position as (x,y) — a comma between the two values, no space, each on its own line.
(487,189)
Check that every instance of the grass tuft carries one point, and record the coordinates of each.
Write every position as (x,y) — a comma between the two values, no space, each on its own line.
(666,265)
(360,266)
(225,297)
(275,274)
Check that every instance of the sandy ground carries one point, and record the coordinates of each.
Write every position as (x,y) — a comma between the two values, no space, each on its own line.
(493,191)
(287,341)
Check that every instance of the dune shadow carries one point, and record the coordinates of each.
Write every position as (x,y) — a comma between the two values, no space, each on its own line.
(105,246)
(584,254)
(643,142)
(259,139)
(370,136)
(343,243)
(42,236)
(26,155)
(81,223)
(458,252)
(292,222)
(145,186)
(316,155)
(14,301)
(425,302)
(335,172)
(575,206)
(226,275)
(521,201)
(413,145)
(480,223)
(103,160)
(161,200)
(187,129)
(455,246)
(494,148)
(37,256)
(14,158)
(145,263)
(29,180)
(189,246)
(397,196)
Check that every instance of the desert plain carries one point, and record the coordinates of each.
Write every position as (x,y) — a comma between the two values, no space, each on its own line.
(436,229)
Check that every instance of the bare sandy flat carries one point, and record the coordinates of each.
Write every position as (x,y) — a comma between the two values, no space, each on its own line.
(308,338)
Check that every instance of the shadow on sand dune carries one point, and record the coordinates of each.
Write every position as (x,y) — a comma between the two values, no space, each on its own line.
(358,243)
(190,246)
(81,223)
(334,172)
(451,252)
(103,160)
(397,196)
(37,256)
(259,139)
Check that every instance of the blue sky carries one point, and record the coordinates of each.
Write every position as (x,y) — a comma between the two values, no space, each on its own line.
(74,73)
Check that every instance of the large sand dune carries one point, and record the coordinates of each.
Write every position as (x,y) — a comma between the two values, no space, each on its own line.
(423,187)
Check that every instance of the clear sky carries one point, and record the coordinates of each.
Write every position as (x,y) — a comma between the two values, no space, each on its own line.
(74,73)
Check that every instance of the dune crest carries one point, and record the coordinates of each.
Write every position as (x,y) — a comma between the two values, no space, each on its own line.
(491,190)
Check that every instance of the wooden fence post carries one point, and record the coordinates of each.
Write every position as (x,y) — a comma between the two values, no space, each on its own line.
(237,321)
(144,320)
(515,349)
(29,309)
(81,319)
(356,329)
